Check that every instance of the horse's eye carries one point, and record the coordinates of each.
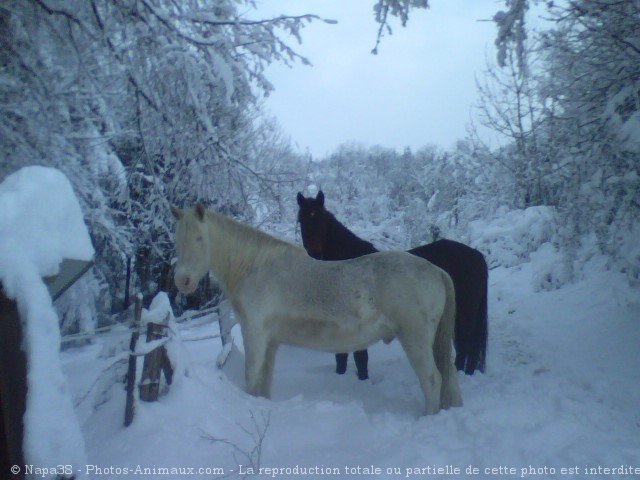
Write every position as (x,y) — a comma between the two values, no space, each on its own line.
(312,214)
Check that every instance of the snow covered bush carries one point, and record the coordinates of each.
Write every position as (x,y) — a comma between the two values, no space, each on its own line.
(550,269)
(511,237)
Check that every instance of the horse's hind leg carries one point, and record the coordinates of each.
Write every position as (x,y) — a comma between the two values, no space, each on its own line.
(341,362)
(418,347)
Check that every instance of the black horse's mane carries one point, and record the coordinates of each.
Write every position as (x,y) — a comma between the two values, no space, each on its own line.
(345,244)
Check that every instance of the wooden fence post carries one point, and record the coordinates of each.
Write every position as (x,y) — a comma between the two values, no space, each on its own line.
(154,362)
(131,372)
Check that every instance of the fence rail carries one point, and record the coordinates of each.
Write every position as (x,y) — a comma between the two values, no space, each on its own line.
(119,328)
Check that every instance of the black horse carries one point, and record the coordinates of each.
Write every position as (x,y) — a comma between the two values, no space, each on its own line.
(325,238)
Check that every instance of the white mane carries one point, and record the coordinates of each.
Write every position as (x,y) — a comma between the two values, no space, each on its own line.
(238,248)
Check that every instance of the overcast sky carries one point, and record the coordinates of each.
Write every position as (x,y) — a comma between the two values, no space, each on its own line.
(419,89)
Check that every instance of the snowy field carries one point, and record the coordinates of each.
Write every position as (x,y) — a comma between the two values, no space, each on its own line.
(559,398)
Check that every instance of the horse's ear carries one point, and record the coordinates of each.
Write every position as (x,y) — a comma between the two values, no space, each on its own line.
(320,198)
(300,199)
(200,211)
(177,213)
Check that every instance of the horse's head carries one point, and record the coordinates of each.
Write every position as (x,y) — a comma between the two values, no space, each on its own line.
(192,247)
(313,223)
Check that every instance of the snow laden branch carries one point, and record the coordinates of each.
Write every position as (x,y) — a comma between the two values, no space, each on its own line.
(396,8)
(511,31)
(257,39)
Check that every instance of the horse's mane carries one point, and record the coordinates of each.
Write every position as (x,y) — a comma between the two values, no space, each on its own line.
(244,247)
(246,236)
(342,242)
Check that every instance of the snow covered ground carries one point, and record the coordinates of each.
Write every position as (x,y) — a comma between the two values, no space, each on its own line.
(559,399)
(560,396)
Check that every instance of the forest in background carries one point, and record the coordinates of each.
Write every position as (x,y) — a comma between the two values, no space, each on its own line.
(148,103)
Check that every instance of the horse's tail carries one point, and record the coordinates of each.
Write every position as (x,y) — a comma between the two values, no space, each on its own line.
(484,329)
(450,391)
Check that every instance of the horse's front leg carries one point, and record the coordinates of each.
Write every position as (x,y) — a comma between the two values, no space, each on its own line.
(267,377)
(260,355)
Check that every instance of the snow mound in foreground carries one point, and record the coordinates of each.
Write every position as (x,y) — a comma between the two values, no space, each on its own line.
(40,224)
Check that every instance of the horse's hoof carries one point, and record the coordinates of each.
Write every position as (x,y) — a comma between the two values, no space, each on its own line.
(363,377)
(341,371)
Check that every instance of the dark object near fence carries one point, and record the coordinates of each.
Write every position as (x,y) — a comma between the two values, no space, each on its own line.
(13,387)
(13,368)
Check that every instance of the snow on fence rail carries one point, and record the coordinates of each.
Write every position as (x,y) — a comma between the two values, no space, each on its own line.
(120,329)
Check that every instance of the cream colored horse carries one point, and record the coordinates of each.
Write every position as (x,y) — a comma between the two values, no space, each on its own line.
(281,295)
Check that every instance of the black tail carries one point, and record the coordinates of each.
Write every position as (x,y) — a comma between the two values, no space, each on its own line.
(484,332)
(475,353)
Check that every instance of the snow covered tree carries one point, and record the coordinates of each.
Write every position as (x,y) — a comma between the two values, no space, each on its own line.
(509,105)
(140,103)
(593,81)
(577,147)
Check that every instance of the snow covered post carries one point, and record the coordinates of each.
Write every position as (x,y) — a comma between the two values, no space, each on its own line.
(155,361)
(40,225)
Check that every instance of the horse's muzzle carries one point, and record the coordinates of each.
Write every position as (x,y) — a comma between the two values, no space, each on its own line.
(185,283)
